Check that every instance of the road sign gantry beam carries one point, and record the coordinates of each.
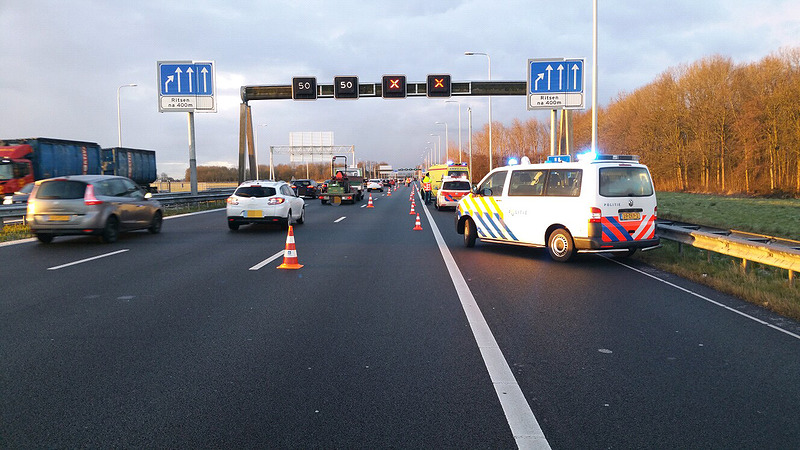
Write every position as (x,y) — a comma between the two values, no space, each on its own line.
(463,88)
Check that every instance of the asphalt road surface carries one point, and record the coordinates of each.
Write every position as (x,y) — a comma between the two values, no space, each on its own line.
(387,337)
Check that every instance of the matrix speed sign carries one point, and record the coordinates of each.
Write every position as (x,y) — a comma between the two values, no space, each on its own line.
(345,87)
(304,88)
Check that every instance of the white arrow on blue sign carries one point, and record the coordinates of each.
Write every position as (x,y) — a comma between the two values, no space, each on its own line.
(555,83)
(186,86)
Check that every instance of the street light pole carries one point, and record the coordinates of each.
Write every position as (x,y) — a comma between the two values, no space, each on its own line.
(119,118)
(469,131)
(258,176)
(490,102)
(459,127)
(439,155)
(446,142)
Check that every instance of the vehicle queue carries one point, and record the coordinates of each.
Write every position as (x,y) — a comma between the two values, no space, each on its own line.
(601,203)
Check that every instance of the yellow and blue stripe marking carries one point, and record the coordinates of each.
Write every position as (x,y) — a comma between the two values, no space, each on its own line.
(488,217)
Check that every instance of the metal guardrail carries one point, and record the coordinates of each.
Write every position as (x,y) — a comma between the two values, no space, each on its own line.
(750,247)
(167,201)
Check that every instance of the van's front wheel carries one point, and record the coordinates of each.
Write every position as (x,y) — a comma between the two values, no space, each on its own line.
(470,233)
(560,245)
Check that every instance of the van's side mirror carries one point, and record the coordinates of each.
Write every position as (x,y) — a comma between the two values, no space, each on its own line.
(486,192)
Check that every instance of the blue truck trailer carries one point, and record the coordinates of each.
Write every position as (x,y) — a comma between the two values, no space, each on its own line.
(137,164)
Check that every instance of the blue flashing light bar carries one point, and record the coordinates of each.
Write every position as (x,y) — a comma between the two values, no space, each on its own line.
(559,159)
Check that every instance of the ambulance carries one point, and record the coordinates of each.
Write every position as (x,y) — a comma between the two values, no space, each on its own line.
(439,171)
(601,203)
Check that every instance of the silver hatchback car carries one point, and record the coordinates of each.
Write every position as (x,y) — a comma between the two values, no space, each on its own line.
(100,205)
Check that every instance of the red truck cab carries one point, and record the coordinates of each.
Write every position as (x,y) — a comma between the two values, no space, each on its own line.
(16,169)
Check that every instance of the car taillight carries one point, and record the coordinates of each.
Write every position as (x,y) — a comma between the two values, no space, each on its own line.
(88,196)
(596,215)
(232,201)
(275,201)
(655,212)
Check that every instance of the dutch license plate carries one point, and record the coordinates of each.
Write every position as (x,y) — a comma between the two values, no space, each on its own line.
(254,213)
(630,216)
(58,218)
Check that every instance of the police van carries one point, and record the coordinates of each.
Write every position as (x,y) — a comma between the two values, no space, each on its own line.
(601,203)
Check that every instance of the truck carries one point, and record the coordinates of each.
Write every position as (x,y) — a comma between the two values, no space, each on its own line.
(137,164)
(24,161)
(345,184)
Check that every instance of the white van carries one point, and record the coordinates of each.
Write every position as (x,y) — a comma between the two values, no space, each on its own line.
(603,204)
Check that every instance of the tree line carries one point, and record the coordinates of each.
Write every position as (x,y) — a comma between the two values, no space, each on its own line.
(710,126)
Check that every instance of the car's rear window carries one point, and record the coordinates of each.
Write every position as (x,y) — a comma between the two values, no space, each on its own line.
(255,191)
(61,190)
(625,182)
(455,186)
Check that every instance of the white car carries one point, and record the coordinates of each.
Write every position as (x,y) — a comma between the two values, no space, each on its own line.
(374,185)
(265,202)
(451,191)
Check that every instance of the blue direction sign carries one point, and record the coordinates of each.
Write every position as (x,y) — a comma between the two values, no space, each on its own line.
(556,83)
(186,86)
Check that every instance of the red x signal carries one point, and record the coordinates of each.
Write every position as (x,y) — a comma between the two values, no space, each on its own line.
(394,86)
(439,85)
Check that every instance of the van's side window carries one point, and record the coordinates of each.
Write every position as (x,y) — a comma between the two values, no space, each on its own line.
(494,184)
(527,182)
(564,182)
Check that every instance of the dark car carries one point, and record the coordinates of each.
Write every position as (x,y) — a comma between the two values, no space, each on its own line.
(100,205)
(305,188)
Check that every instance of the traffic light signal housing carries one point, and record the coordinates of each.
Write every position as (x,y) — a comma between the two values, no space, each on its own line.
(439,85)
(304,88)
(394,86)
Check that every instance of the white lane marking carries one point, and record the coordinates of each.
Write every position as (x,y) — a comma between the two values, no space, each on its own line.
(339,219)
(193,214)
(267,261)
(18,241)
(703,297)
(88,259)
(524,426)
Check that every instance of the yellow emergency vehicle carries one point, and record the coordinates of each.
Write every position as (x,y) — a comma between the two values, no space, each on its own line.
(439,171)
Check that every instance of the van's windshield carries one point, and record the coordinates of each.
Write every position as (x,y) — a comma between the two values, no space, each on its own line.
(625,182)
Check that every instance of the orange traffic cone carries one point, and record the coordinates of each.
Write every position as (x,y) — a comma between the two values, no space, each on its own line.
(412,210)
(290,253)
(417,226)
(369,203)
(390,192)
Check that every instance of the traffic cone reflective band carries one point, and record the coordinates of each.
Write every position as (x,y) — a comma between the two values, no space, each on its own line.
(290,253)
(369,204)
(417,226)
(412,210)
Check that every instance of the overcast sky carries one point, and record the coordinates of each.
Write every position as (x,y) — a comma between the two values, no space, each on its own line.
(61,63)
